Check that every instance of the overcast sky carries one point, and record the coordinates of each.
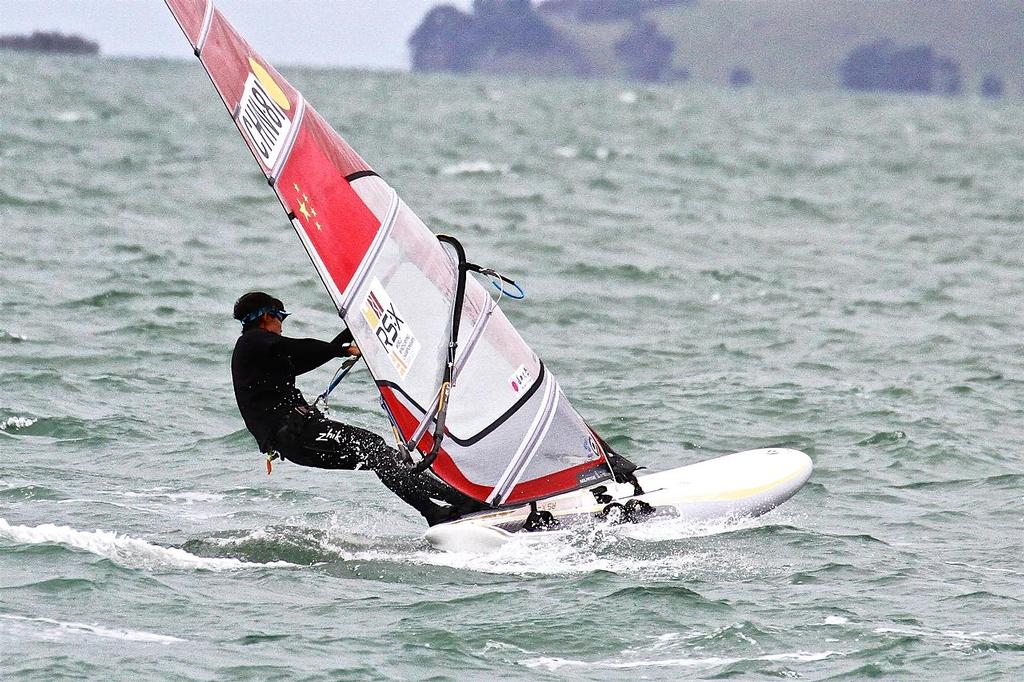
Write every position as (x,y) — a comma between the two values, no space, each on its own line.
(366,33)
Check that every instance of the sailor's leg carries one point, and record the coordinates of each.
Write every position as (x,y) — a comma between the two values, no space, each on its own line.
(328,444)
(436,501)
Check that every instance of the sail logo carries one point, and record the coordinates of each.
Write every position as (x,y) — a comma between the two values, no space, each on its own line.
(263,120)
(390,328)
(520,380)
(591,476)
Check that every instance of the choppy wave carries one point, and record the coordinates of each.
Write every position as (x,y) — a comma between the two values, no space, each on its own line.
(55,630)
(554,664)
(9,198)
(662,651)
(707,270)
(122,549)
(12,337)
(960,640)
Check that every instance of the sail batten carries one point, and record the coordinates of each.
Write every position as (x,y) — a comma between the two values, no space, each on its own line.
(510,435)
(362,272)
(289,144)
(204,30)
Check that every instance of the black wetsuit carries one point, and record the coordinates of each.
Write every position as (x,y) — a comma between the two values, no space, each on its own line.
(264,366)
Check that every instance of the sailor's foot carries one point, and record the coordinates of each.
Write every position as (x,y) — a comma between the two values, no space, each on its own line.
(451,512)
(636,511)
(540,520)
(438,514)
(633,511)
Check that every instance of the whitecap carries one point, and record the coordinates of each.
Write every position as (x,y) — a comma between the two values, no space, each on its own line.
(567,152)
(628,97)
(71,116)
(553,664)
(17,423)
(476,168)
(159,493)
(60,628)
(836,620)
(571,552)
(801,656)
(123,549)
(258,535)
(111,503)
(957,639)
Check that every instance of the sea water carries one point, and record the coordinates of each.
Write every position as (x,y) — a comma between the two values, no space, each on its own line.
(706,271)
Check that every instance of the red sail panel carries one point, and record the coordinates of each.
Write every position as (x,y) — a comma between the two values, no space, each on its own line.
(255,94)
(189,15)
(344,158)
(443,465)
(335,220)
(312,160)
(566,479)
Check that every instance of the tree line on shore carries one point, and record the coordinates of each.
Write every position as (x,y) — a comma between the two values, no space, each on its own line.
(506,35)
(49,42)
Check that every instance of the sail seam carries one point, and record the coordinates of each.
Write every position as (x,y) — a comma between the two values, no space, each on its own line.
(372,254)
(526,448)
(352,177)
(528,458)
(474,337)
(499,486)
(293,134)
(204,32)
(541,423)
(525,460)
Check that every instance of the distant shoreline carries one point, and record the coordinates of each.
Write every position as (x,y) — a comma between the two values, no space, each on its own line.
(44,42)
(941,47)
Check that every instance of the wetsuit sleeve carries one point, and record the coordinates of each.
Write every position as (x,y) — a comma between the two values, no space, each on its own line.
(308,354)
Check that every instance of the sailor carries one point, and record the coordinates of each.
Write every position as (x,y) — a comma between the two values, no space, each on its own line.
(264,365)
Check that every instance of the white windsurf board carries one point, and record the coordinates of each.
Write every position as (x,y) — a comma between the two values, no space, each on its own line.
(743,484)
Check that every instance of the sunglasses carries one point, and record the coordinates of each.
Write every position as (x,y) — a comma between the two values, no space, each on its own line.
(252,317)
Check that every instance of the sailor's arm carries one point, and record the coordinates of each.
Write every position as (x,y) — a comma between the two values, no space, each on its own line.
(308,354)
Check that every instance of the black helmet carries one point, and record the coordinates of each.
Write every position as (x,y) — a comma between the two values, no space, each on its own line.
(252,306)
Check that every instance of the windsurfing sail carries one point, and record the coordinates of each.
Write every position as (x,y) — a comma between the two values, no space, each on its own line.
(451,369)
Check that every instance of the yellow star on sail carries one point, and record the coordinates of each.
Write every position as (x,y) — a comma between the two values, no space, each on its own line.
(306,209)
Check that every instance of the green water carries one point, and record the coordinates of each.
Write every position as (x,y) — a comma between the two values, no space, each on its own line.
(707,272)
